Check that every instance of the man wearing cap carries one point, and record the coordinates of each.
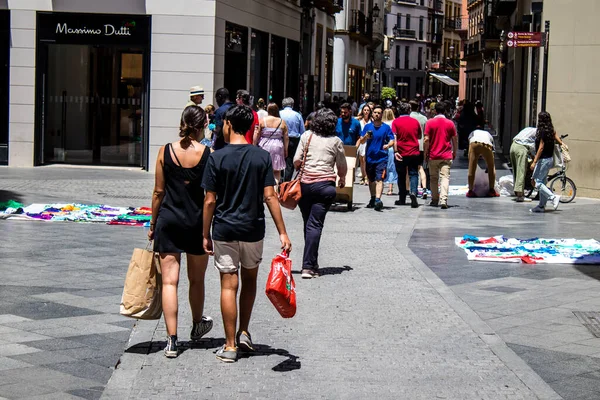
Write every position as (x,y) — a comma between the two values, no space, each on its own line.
(196,96)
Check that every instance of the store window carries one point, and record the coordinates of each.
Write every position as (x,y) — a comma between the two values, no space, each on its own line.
(236,57)
(4,83)
(278,57)
(259,64)
(292,82)
(92,89)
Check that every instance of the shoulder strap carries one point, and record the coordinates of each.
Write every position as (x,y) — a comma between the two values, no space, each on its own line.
(172,150)
(304,156)
(205,154)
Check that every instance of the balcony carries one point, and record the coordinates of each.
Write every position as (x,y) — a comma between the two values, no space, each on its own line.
(329,6)
(453,24)
(413,2)
(360,27)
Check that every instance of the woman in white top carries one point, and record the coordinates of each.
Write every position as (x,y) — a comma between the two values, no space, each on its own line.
(324,151)
(364,118)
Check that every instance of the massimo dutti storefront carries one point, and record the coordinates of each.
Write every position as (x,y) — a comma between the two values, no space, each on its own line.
(104,82)
(92,89)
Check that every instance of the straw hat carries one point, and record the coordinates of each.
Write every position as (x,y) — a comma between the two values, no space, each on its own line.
(196,91)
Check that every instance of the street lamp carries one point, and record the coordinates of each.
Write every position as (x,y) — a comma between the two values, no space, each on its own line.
(376,11)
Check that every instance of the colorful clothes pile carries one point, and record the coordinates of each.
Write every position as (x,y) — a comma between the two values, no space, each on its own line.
(10,207)
(530,251)
(141,216)
(82,213)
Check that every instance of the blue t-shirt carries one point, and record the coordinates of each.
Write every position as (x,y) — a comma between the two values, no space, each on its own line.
(381,136)
(348,132)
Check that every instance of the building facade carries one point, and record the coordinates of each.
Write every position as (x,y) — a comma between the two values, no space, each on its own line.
(406,25)
(509,80)
(104,83)
(318,26)
(358,48)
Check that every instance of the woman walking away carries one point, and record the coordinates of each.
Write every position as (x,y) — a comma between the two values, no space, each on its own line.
(324,150)
(176,224)
(390,172)
(545,138)
(364,118)
(273,137)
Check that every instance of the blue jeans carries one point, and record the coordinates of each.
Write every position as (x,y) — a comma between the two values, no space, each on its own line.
(410,163)
(540,175)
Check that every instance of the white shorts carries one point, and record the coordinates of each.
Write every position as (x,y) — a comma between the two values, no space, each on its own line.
(229,256)
(362,148)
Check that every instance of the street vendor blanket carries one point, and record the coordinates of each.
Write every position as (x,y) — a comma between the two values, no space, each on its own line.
(530,251)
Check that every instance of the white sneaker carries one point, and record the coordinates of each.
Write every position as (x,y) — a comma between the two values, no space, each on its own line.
(537,209)
(556,202)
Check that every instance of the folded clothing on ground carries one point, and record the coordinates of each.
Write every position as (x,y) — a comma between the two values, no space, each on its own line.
(530,251)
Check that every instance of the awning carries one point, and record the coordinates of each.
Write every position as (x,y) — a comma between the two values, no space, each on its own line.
(445,79)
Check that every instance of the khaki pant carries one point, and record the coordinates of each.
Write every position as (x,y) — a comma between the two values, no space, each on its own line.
(439,171)
(477,150)
(518,160)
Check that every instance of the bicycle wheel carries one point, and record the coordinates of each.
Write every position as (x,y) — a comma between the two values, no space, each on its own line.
(564,187)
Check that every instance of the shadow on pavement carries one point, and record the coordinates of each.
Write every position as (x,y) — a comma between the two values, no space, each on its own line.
(329,270)
(292,363)
(155,347)
(6,195)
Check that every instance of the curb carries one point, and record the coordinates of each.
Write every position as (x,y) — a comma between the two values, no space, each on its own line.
(129,366)
(519,367)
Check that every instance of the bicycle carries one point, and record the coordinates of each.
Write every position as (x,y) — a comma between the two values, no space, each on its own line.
(558,182)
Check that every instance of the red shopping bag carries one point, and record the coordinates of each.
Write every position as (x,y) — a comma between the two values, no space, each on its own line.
(281,289)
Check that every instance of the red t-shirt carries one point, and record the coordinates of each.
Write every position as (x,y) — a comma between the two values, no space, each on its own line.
(440,131)
(407,130)
(250,133)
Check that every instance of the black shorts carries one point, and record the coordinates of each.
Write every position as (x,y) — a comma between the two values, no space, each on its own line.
(421,158)
(375,171)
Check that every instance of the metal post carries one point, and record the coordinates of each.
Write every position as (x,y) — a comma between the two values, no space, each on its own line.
(545,81)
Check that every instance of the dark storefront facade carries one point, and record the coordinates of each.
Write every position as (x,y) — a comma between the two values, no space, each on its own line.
(92,89)
(4,83)
(274,64)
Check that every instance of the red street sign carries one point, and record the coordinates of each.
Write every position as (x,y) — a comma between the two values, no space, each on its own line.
(526,39)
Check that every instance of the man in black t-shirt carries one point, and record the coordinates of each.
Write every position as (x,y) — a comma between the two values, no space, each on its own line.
(238,179)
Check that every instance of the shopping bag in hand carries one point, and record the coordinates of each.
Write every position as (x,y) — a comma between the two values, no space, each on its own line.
(281,289)
(142,294)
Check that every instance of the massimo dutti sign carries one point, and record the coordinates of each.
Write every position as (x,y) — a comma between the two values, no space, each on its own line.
(93,29)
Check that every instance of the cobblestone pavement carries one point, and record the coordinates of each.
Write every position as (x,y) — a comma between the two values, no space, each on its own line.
(379,323)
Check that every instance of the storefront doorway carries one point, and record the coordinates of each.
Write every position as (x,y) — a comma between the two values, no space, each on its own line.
(4,83)
(92,89)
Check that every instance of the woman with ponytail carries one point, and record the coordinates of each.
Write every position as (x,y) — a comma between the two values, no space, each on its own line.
(545,138)
(176,225)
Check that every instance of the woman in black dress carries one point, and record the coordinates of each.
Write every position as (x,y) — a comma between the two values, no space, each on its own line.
(176,225)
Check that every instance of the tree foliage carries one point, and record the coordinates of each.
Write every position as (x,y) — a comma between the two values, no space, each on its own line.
(387,93)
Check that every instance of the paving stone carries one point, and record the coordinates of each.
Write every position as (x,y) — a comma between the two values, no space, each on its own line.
(83,369)
(43,358)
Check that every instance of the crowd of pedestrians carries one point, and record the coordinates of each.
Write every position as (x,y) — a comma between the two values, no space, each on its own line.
(212,184)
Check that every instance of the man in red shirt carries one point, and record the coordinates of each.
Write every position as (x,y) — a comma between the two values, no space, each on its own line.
(440,145)
(407,131)
(243,98)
